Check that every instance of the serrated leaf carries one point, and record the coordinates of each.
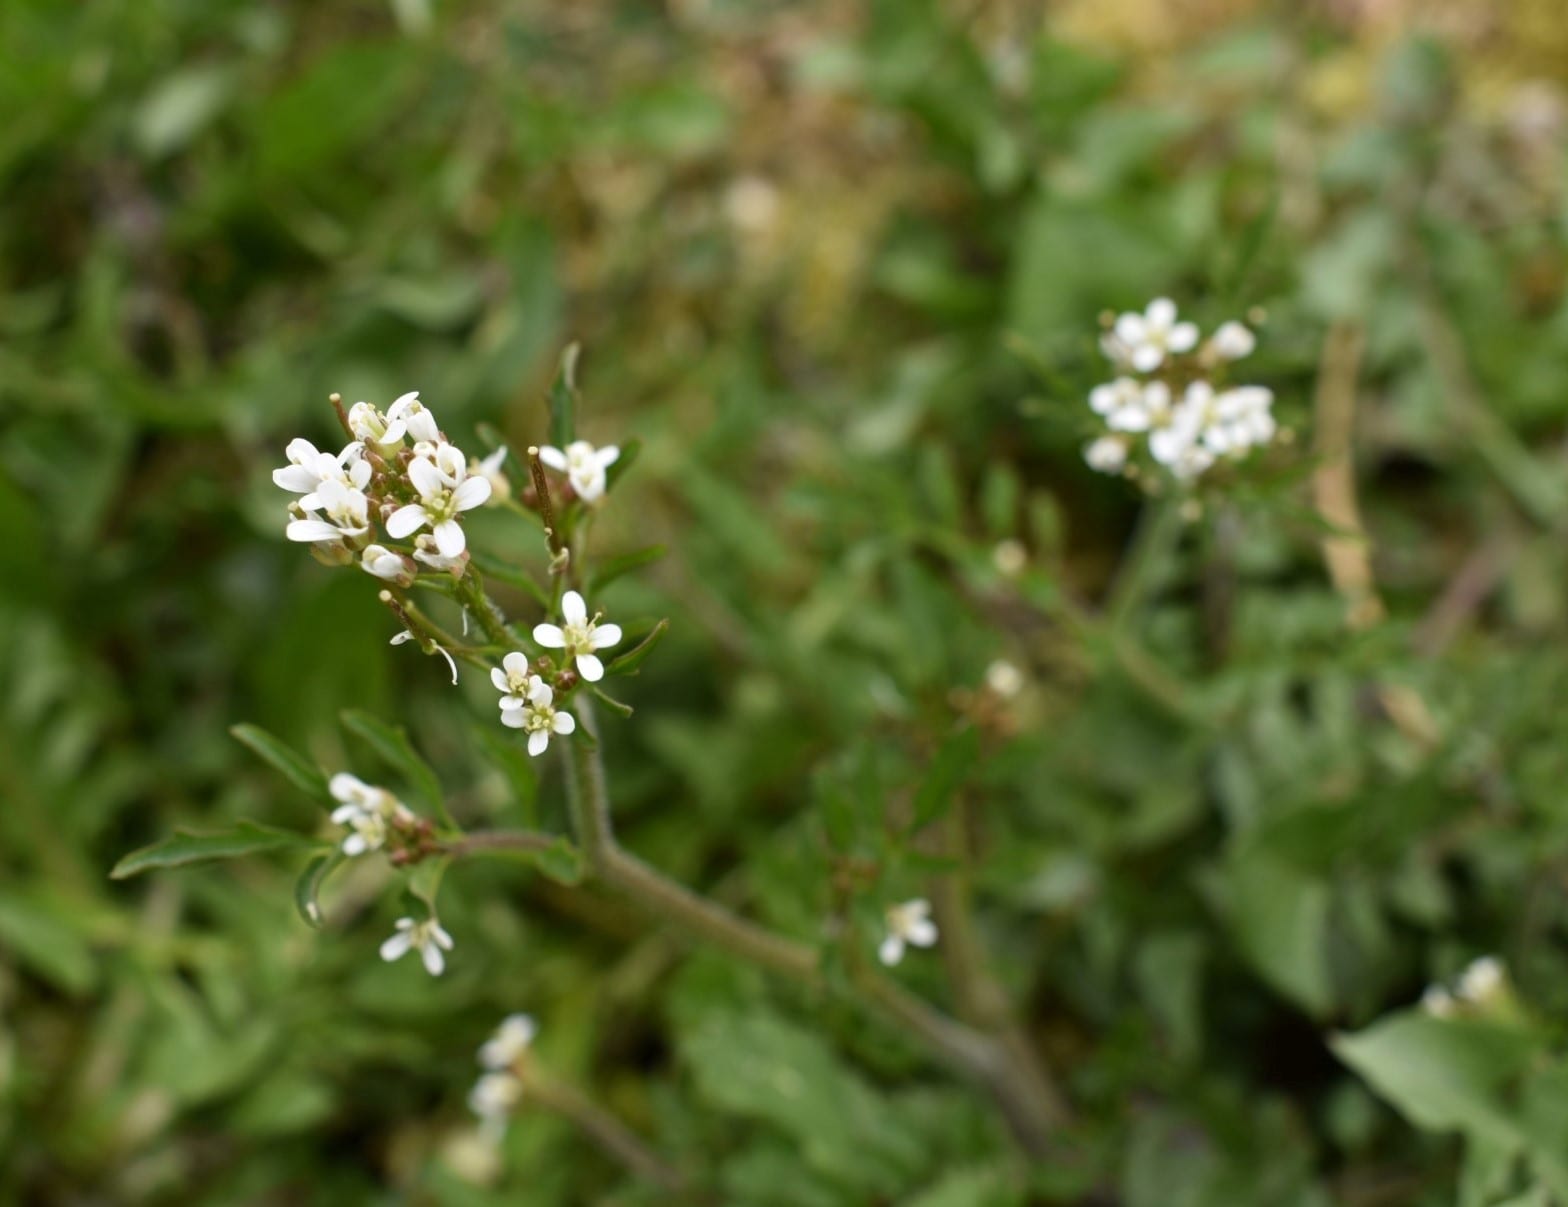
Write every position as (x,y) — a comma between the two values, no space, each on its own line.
(563,399)
(952,764)
(391,744)
(628,662)
(307,888)
(283,758)
(625,563)
(185,847)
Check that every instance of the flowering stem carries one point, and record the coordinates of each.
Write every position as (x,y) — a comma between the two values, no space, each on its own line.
(1022,1089)
(603,1128)
(498,842)
(471,593)
(552,531)
(1159,528)
(428,631)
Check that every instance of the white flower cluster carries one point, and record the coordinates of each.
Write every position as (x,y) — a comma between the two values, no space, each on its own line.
(1164,394)
(369,813)
(399,469)
(527,701)
(500,1088)
(583,465)
(1479,986)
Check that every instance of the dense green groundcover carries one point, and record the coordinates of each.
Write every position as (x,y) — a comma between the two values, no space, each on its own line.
(838,267)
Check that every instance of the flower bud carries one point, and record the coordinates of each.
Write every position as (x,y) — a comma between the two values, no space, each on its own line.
(383,563)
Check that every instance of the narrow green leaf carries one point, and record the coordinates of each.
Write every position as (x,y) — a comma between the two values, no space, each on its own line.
(617,566)
(952,764)
(391,743)
(185,847)
(628,662)
(425,880)
(518,769)
(308,887)
(619,707)
(563,399)
(294,767)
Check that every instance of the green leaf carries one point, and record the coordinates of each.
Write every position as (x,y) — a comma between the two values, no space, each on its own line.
(391,743)
(563,399)
(952,764)
(186,847)
(518,769)
(308,886)
(295,767)
(618,707)
(1443,1074)
(40,936)
(1280,916)
(626,562)
(425,880)
(494,568)
(628,662)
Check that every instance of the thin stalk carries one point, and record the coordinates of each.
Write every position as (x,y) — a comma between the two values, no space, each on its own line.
(1021,1088)
(487,842)
(1159,528)
(471,593)
(603,1128)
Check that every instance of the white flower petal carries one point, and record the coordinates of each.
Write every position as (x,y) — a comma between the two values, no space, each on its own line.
(921,932)
(1161,312)
(406,520)
(397,946)
(450,540)
(435,962)
(499,678)
(537,741)
(604,636)
(516,663)
(550,636)
(471,493)
(590,668)
(553,457)
(425,477)
(295,478)
(891,951)
(513,718)
(1183,337)
(1147,357)
(312,531)
(563,722)
(607,456)
(573,609)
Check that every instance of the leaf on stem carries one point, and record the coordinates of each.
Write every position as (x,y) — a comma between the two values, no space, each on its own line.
(628,663)
(563,399)
(283,758)
(619,707)
(952,764)
(391,744)
(184,847)
(308,887)
(626,562)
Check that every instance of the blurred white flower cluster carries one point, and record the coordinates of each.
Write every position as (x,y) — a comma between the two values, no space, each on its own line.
(1480,987)
(1167,396)
(398,471)
(500,1087)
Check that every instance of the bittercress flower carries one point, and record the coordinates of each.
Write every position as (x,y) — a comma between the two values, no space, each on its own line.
(579,636)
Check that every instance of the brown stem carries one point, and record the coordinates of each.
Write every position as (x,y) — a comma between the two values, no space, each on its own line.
(603,1128)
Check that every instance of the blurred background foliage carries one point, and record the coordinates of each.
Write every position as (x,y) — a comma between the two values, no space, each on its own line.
(838,265)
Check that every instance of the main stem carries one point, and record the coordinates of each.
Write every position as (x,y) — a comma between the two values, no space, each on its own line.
(1028,1099)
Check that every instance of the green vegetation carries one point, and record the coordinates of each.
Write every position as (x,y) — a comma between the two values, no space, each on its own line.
(1277,756)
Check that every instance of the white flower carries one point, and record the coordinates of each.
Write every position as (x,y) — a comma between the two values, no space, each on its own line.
(1179,444)
(308,468)
(490,470)
(511,1039)
(367,811)
(1003,678)
(1438,1002)
(415,417)
(1146,338)
(492,1099)
(371,426)
(1009,557)
(533,710)
(442,496)
(583,466)
(1232,341)
(907,923)
(405,635)
(348,514)
(382,563)
(426,937)
(1482,980)
(1246,413)
(1107,455)
(579,636)
(1123,405)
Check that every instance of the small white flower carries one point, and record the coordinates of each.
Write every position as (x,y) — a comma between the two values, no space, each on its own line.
(1107,455)
(308,468)
(493,1097)
(583,466)
(579,636)
(909,923)
(1009,557)
(383,563)
(1482,980)
(415,416)
(511,1039)
(443,495)
(348,514)
(405,636)
(533,711)
(1123,405)
(367,811)
(371,426)
(1232,341)
(1149,336)
(490,470)
(426,937)
(1003,678)
(1438,1002)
